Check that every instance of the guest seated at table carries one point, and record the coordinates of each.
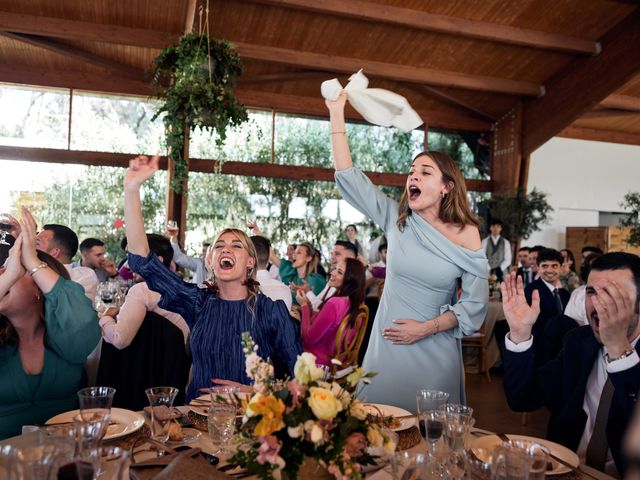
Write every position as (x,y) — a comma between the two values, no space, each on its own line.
(319,328)
(219,314)
(119,328)
(47,329)
(591,387)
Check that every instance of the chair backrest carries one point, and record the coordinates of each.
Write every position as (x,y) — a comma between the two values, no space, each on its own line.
(156,357)
(349,339)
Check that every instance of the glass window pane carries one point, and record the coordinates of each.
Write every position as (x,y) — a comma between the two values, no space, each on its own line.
(250,142)
(102,123)
(34,117)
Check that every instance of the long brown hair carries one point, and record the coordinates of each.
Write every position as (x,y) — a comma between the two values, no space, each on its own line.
(454,207)
(353,286)
(8,334)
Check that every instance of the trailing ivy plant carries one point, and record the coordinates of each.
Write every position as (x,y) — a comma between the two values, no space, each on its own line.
(195,79)
(631,203)
(521,213)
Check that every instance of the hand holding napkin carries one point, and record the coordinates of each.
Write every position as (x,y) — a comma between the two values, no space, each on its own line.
(376,105)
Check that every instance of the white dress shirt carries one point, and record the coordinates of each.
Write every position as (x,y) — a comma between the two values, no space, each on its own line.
(194,264)
(120,331)
(86,277)
(595,384)
(316,300)
(506,261)
(274,289)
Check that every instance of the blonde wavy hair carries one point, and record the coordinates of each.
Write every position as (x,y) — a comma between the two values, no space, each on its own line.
(454,207)
(253,287)
(312,265)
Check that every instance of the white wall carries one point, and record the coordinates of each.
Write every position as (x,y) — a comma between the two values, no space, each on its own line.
(581,178)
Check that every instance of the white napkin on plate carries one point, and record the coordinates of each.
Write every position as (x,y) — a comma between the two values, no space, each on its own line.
(376,105)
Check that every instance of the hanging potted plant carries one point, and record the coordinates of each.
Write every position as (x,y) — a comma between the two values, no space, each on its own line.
(195,78)
(631,203)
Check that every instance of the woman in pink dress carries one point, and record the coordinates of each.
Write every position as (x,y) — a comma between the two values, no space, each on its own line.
(319,328)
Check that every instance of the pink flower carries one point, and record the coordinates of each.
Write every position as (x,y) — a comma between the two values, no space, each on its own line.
(269,450)
(355,444)
(297,391)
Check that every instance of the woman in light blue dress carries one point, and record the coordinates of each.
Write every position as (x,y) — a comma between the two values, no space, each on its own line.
(433,240)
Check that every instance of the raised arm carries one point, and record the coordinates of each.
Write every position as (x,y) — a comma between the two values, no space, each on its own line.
(44,277)
(339,144)
(140,169)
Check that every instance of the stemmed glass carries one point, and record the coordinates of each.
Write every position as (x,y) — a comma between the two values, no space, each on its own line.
(161,402)
(95,415)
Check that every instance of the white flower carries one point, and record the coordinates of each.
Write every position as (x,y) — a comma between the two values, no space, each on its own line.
(295,432)
(306,370)
(252,361)
(317,434)
(358,410)
(248,412)
(341,394)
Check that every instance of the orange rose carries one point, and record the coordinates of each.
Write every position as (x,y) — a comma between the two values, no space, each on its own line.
(271,409)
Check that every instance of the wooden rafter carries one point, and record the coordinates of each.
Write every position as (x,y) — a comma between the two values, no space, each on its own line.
(608,112)
(403,73)
(582,133)
(189,15)
(583,84)
(451,100)
(87,31)
(250,169)
(314,106)
(74,52)
(282,77)
(621,102)
(406,17)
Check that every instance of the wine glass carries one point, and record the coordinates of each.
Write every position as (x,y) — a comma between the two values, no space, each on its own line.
(432,427)
(95,414)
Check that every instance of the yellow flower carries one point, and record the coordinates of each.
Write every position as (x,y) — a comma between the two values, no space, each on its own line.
(271,409)
(357,410)
(354,377)
(323,403)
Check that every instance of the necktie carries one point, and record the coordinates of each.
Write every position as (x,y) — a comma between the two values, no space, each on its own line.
(556,296)
(527,276)
(598,444)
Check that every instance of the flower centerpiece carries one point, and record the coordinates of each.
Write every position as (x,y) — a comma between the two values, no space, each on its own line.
(310,417)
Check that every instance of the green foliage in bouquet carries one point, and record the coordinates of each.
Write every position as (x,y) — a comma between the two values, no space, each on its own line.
(195,79)
(287,421)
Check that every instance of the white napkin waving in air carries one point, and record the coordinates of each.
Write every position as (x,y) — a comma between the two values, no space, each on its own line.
(376,105)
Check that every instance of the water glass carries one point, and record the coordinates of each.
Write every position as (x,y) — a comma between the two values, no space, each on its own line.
(479,463)
(415,466)
(95,402)
(458,423)
(520,460)
(432,424)
(109,462)
(222,418)
(427,400)
(160,397)
(35,461)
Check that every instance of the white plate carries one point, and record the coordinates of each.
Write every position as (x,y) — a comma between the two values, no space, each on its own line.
(492,441)
(124,421)
(372,408)
(203,409)
(190,435)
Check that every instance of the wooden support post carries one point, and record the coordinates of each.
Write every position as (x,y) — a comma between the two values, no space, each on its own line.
(177,202)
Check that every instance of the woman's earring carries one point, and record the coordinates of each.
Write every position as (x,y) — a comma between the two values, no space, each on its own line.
(442,194)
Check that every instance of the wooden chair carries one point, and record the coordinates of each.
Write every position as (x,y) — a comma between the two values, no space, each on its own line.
(348,341)
(477,340)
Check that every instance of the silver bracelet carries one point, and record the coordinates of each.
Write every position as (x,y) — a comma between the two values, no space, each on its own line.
(37,267)
(627,353)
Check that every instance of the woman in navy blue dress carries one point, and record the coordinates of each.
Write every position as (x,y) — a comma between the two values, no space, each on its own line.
(218,315)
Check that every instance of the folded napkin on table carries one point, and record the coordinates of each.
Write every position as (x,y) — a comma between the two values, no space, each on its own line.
(376,105)
(163,413)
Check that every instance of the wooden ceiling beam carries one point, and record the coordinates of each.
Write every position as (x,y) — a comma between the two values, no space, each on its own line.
(86,31)
(608,136)
(607,113)
(281,77)
(402,73)
(405,17)
(190,15)
(315,106)
(312,106)
(451,100)
(583,84)
(247,169)
(621,102)
(63,49)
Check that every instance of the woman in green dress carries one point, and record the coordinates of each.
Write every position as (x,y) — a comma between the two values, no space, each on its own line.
(47,330)
(433,240)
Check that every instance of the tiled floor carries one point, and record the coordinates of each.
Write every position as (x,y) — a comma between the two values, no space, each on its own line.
(492,412)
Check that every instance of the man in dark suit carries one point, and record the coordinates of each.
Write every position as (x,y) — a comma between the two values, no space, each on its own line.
(524,270)
(551,326)
(591,387)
